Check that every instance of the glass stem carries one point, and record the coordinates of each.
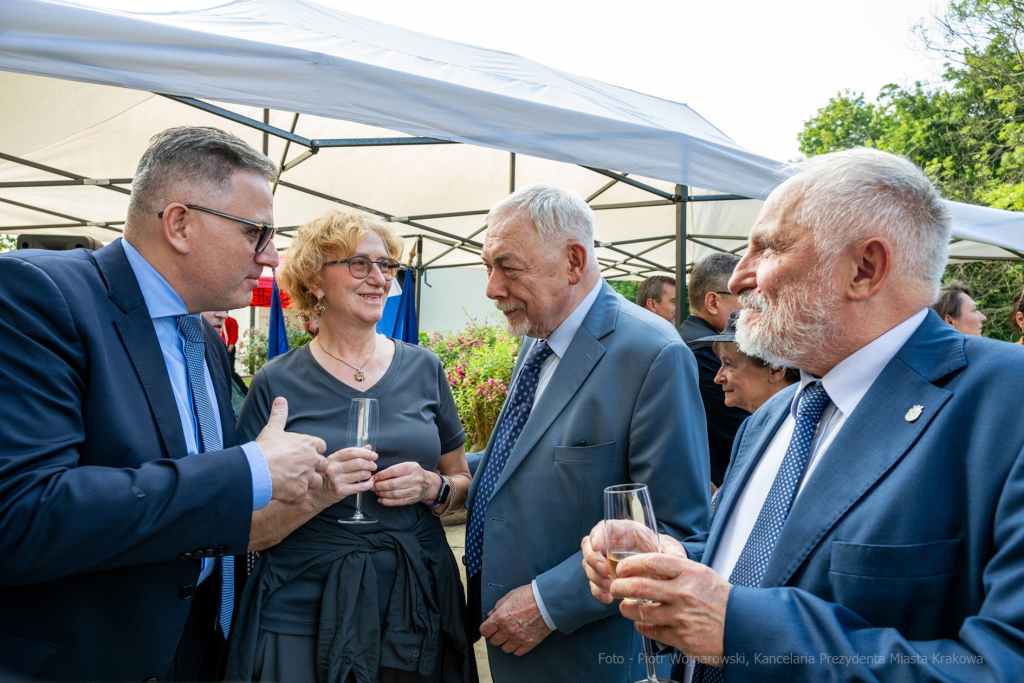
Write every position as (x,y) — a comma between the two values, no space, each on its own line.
(649,660)
(359,504)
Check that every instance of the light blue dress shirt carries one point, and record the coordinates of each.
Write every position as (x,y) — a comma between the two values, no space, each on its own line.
(164,304)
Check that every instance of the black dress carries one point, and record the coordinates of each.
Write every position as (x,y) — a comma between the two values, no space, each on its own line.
(336,603)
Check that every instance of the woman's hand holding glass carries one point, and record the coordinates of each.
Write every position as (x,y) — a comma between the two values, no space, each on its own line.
(349,471)
(406,484)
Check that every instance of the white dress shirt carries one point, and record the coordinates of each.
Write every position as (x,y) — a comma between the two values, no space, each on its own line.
(559,342)
(846,385)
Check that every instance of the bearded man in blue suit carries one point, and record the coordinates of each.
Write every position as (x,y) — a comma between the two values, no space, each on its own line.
(871,524)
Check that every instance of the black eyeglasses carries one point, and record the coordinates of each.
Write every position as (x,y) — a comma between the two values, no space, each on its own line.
(360,266)
(266,231)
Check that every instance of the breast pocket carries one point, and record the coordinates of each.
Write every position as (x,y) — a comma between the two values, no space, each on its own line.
(897,586)
(582,473)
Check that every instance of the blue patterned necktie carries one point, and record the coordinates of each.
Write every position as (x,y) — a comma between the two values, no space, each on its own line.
(516,415)
(190,328)
(753,561)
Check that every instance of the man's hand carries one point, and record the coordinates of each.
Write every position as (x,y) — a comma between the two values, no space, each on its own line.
(349,471)
(294,460)
(515,624)
(688,602)
(595,564)
(404,484)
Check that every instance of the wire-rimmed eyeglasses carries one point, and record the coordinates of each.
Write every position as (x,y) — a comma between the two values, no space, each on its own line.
(360,266)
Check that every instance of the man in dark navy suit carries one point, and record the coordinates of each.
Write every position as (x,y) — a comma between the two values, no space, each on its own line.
(871,524)
(123,495)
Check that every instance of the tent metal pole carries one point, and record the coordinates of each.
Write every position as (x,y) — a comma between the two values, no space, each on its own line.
(430,216)
(252,317)
(427,228)
(380,142)
(636,257)
(511,172)
(631,205)
(634,183)
(451,265)
(683,193)
(65,183)
(603,189)
(105,184)
(705,244)
(717,198)
(284,157)
(54,226)
(639,239)
(266,135)
(419,277)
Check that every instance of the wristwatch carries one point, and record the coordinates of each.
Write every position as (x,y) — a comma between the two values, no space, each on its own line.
(442,495)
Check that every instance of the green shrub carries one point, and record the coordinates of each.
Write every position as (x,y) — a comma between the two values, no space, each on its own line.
(252,350)
(478,362)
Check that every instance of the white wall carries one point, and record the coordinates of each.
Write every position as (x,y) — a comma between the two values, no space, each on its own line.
(450,291)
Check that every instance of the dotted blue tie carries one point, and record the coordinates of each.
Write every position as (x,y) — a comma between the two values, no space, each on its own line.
(191,330)
(753,561)
(511,427)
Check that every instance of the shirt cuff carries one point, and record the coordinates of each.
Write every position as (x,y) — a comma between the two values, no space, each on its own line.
(543,610)
(262,488)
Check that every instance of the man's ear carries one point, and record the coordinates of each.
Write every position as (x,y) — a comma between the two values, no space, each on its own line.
(711,303)
(175,228)
(869,269)
(576,257)
(776,375)
(651,303)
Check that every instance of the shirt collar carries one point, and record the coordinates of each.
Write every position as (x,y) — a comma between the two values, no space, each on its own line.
(847,382)
(562,336)
(161,299)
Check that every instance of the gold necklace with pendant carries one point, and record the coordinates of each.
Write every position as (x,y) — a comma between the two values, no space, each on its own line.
(360,375)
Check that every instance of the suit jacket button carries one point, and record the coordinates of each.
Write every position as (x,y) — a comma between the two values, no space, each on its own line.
(208,552)
(186,592)
(465,562)
(221,550)
(152,680)
(185,556)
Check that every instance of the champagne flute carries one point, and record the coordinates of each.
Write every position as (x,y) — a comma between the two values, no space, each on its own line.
(631,529)
(362,431)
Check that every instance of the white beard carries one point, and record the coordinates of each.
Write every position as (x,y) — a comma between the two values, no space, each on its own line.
(797,327)
(517,330)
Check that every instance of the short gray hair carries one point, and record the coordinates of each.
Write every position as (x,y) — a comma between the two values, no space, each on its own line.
(201,155)
(560,215)
(859,193)
(711,274)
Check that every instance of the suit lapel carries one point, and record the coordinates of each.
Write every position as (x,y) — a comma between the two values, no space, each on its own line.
(755,441)
(871,442)
(583,354)
(140,341)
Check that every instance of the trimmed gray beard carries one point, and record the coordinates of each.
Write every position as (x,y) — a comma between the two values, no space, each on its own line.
(519,330)
(798,327)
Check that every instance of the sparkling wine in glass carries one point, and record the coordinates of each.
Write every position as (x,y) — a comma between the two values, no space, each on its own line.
(362,431)
(631,529)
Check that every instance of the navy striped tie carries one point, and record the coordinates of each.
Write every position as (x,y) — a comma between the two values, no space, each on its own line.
(191,330)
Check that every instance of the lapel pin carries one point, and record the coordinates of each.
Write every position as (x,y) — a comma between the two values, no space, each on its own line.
(914,413)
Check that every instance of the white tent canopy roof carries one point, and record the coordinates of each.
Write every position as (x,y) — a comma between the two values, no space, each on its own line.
(350,78)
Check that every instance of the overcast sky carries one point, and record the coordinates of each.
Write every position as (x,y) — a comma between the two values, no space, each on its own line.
(756,70)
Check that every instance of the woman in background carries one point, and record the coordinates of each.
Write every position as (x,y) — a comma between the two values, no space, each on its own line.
(363,602)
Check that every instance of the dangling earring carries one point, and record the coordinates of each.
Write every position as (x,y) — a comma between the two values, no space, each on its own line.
(319,308)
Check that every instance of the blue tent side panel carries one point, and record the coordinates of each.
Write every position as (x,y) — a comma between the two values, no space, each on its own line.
(277,335)
(406,328)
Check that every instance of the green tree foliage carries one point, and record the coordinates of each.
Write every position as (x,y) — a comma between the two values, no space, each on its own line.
(626,288)
(8,243)
(965,132)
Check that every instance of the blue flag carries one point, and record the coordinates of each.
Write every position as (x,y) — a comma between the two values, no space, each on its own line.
(277,336)
(398,320)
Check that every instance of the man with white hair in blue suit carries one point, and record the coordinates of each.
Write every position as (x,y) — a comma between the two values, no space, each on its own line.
(603,393)
(871,524)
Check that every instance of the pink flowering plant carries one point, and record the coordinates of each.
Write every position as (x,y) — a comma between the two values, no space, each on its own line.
(478,361)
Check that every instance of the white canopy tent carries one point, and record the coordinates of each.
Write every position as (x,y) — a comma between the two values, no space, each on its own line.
(362,113)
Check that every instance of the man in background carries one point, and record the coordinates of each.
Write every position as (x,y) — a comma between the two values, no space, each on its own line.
(658,295)
(711,303)
(229,333)
(603,393)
